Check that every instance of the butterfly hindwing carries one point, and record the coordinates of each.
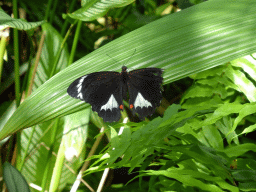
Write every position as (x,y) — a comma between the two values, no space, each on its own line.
(144,87)
(103,91)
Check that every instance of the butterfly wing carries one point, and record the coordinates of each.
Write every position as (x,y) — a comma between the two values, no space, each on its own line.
(103,90)
(144,86)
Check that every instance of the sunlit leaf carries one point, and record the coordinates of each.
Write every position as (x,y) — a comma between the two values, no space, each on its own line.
(249,129)
(94,9)
(245,111)
(248,64)
(213,136)
(75,133)
(234,151)
(188,179)
(7,21)
(244,84)
(175,43)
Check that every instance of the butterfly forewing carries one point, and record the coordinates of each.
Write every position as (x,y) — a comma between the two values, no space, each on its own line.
(144,87)
(102,90)
(105,91)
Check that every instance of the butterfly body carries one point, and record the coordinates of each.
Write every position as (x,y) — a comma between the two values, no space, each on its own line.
(105,91)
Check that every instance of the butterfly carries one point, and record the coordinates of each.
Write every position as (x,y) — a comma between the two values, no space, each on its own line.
(106,90)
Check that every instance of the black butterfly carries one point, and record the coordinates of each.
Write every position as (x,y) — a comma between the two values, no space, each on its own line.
(105,91)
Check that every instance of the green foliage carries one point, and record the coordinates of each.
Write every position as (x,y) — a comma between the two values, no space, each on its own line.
(202,149)
(7,21)
(14,180)
(203,143)
(95,9)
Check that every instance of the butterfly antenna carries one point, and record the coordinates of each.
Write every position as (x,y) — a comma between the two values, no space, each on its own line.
(131,56)
(118,61)
(113,58)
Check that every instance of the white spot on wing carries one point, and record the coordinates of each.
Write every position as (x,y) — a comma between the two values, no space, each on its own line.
(140,101)
(79,87)
(112,103)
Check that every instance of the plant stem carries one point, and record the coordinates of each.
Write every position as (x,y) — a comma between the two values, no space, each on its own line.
(38,54)
(71,8)
(53,10)
(103,180)
(16,55)
(56,175)
(2,51)
(49,4)
(86,163)
(49,156)
(60,50)
(73,50)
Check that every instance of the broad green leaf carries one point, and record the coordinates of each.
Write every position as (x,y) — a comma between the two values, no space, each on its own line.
(7,21)
(187,180)
(222,111)
(209,73)
(120,144)
(248,64)
(235,151)
(144,141)
(226,185)
(194,174)
(247,186)
(7,114)
(244,84)
(212,87)
(213,136)
(225,126)
(208,157)
(114,137)
(186,115)
(75,133)
(71,149)
(245,111)
(223,80)
(246,163)
(205,91)
(37,155)
(93,9)
(180,45)
(202,101)
(244,175)
(249,129)
(14,180)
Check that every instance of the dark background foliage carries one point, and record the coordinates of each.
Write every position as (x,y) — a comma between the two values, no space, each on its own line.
(200,138)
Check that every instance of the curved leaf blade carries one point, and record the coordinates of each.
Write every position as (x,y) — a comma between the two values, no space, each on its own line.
(7,21)
(94,9)
(14,179)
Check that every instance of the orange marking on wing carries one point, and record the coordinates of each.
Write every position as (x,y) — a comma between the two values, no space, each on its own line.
(121,107)
(131,106)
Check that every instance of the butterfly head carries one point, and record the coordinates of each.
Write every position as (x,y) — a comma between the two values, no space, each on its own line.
(124,69)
